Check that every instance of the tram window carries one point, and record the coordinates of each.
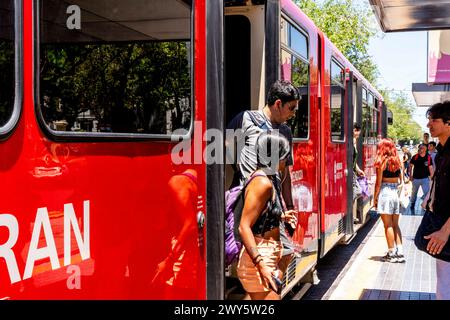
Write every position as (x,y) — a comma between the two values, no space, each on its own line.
(121,67)
(295,70)
(7,62)
(373,117)
(298,42)
(364,95)
(375,123)
(337,93)
(366,123)
(284,32)
(370,100)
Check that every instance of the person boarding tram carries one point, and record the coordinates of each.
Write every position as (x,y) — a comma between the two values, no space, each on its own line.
(282,102)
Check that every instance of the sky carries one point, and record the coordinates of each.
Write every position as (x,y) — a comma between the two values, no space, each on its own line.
(401,58)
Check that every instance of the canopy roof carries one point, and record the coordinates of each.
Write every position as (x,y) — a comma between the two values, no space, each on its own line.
(412,15)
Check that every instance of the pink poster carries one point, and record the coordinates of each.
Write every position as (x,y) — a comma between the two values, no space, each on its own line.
(439,56)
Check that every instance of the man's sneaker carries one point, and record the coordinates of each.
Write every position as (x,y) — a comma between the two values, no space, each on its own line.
(400,258)
(389,258)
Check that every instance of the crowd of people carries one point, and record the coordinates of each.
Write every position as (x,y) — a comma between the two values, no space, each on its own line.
(268,212)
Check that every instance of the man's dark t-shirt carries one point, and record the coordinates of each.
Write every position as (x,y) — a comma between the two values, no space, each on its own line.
(421,170)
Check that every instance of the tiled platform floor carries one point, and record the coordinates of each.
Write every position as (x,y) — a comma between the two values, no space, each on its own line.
(369,278)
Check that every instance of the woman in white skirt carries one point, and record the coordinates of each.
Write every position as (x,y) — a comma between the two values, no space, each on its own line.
(386,198)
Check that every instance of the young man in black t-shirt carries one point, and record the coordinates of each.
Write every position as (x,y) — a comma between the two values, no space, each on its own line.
(439,202)
(421,167)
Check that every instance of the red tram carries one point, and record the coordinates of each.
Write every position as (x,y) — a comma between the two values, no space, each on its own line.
(96,99)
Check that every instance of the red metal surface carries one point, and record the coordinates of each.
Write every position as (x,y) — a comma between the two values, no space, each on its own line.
(137,203)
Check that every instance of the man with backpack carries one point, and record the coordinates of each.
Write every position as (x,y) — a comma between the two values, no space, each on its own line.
(281,105)
(421,166)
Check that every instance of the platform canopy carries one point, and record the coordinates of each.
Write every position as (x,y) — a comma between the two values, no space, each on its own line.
(429,94)
(412,15)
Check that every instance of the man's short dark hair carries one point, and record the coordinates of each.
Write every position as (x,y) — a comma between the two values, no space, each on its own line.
(426,134)
(432,143)
(283,90)
(356,127)
(440,110)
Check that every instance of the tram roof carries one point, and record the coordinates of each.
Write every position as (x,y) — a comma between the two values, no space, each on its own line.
(412,15)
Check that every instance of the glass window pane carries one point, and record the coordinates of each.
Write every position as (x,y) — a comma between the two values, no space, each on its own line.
(300,79)
(337,113)
(337,73)
(370,100)
(116,67)
(7,61)
(374,123)
(337,102)
(367,123)
(299,43)
(286,66)
(284,32)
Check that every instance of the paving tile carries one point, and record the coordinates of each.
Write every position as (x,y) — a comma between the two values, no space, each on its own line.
(424,296)
(374,294)
(414,295)
(404,295)
(384,295)
(395,295)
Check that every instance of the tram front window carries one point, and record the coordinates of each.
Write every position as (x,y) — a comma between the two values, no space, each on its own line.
(115,66)
(7,61)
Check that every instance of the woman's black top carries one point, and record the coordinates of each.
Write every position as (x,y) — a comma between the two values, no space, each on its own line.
(390,174)
(271,217)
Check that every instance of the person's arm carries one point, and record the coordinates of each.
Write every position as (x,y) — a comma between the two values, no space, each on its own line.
(438,239)
(377,186)
(430,167)
(359,171)
(258,192)
(411,170)
(286,189)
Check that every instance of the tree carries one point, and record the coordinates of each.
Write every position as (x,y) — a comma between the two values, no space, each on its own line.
(403,128)
(349,26)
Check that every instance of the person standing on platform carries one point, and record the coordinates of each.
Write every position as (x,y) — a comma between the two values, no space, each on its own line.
(386,199)
(406,159)
(426,139)
(432,152)
(439,200)
(421,167)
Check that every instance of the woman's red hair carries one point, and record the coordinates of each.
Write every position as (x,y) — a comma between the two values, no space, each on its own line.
(386,151)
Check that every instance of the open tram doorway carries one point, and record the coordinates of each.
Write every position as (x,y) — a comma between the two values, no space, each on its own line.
(244,85)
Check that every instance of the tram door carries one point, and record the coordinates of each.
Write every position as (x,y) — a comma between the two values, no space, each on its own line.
(335,142)
(244,71)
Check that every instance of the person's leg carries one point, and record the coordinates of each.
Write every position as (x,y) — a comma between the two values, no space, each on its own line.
(396,228)
(443,280)
(389,234)
(425,187)
(398,238)
(415,189)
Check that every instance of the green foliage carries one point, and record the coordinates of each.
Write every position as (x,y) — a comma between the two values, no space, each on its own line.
(404,128)
(349,25)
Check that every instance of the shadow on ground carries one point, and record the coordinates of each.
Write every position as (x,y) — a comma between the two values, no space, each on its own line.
(331,266)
